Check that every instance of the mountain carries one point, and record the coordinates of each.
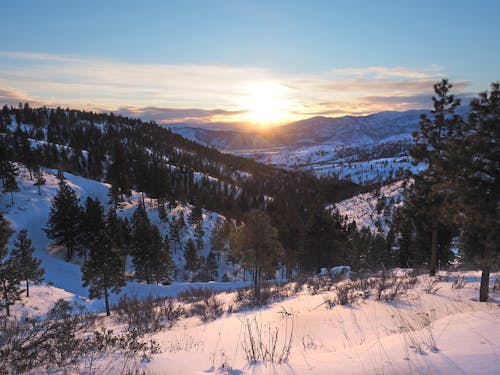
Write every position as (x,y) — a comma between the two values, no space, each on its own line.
(364,149)
(347,130)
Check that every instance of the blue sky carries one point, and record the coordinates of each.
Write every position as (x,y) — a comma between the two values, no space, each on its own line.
(264,61)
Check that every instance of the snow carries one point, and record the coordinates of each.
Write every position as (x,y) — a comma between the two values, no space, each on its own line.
(448,332)
(362,208)
(31,211)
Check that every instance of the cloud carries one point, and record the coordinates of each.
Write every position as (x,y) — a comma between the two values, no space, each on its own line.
(206,93)
(172,115)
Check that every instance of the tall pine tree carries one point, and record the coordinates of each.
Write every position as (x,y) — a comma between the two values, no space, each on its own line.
(27,266)
(63,226)
(103,271)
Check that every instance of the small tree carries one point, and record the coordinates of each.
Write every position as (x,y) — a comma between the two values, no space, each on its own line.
(191,256)
(27,266)
(9,279)
(39,180)
(9,174)
(103,271)
(258,247)
(64,219)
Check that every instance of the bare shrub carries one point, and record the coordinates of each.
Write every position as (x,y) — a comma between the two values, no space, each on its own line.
(458,283)
(209,309)
(323,283)
(496,285)
(195,294)
(65,341)
(147,315)
(265,343)
(432,286)
(345,294)
(417,330)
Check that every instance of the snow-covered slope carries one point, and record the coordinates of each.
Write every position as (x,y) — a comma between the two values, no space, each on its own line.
(443,332)
(371,210)
(31,211)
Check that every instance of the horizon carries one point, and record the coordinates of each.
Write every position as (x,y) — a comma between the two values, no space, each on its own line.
(258,64)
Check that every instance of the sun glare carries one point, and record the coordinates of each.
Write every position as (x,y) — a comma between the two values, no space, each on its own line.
(266,105)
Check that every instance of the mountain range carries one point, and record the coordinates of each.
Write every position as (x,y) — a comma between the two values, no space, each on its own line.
(376,128)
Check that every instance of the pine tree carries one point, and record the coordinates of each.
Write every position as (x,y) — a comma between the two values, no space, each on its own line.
(103,271)
(92,221)
(474,165)
(212,266)
(199,233)
(39,179)
(430,144)
(64,219)
(142,250)
(160,251)
(9,278)
(27,266)
(258,247)
(191,257)
(9,172)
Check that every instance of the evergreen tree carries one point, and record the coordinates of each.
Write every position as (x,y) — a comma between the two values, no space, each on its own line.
(429,148)
(258,247)
(63,226)
(9,172)
(474,167)
(160,252)
(9,278)
(39,179)
(92,221)
(103,271)
(212,266)
(141,247)
(199,233)
(191,257)
(27,266)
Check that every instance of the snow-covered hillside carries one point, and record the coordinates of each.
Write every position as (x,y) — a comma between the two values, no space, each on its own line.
(443,331)
(370,210)
(31,211)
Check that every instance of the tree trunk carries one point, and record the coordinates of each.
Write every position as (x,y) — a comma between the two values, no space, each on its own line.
(433,263)
(108,313)
(486,267)
(27,288)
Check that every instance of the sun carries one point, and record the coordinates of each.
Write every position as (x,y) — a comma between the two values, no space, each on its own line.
(266,104)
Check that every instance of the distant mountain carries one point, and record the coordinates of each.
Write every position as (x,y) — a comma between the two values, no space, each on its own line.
(348,130)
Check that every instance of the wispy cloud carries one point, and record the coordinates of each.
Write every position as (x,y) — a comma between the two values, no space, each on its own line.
(209,92)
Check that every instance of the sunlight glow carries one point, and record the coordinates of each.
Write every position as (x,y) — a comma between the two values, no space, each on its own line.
(266,104)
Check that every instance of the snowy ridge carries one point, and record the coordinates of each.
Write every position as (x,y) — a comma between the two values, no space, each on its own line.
(370,209)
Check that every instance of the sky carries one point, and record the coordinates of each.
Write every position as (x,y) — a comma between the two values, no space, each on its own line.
(257,63)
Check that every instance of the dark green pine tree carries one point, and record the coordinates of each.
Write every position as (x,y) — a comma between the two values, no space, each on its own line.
(118,174)
(103,272)
(63,226)
(142,257)
(9,172)
(191,257)
(474,164)
(212,266)
(199,233)
(39,179)
(27,266)
(92,221)
(429,148)
(118,230)
(160,252)
(9,279)
(196,215)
